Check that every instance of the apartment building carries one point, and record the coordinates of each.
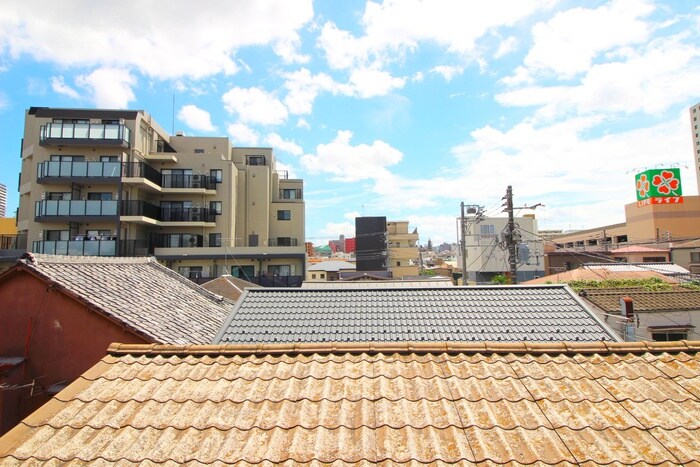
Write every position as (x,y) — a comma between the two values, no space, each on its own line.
(114,183)
(403,249)
(695,129)
(487,253)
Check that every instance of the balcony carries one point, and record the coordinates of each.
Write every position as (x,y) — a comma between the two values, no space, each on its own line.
(86,209)
(199,182)
(283,241)
(103,247)
(85,134)
(179,241)
(164,216)
(186,215)
(138,172)
(12,246)
(78,171)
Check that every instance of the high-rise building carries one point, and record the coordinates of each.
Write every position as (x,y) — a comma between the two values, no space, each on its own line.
(114,183)
(3,200)
(695,129)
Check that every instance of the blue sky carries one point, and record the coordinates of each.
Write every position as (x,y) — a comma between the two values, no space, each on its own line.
(401,109)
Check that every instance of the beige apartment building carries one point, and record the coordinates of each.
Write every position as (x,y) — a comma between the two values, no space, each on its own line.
(695,129)
(114,183)
(403,249)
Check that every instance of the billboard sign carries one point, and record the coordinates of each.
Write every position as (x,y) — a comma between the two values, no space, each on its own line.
(659,186)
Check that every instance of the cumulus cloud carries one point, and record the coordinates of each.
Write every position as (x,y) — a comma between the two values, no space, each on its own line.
(59,86)
(302,123)
(447,72)
(568,43)
(164,43)
(507,45)
(352,163)
(109,87)
(280,144)
(368,83)
(196,118)
(303,88)
(255,105)
(243,135)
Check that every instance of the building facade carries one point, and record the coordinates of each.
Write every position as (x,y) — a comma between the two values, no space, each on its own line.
(3,200)
(695,129)
(114,183)
(487,254)
(403,249)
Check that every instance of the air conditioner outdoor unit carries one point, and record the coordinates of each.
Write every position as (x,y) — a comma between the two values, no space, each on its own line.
(195,210)
(197,181)
(196,217)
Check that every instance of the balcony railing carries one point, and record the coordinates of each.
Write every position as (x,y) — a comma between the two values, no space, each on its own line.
(79,208)
(78,169)
(141,170)
(13,242)
(109,247)
(189,181)
(139,208)
(85,133)
(187,215)
(179,241)
(282,241)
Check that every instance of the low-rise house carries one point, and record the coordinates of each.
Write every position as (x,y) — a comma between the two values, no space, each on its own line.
(58,315)
(593,403)
(642,314)
(551,313)
(641,254)
(329,270)
(584,273)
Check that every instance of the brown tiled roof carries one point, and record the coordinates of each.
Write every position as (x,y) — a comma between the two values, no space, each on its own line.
(597,403)
(676,299)
(586,274)
(141,294)
(228,287)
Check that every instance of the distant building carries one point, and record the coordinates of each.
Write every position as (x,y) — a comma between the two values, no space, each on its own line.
(3,200)
(370,243)
(695,132)
(403,249)
(350,245)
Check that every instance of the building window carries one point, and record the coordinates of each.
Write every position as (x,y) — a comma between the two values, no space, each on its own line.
(214,239)
(279,269)
(56,235)
(109,158)
(290,193)
(313,276)
(695,256)
(323,275)
(621,239)
(191,272)
(255,160)
(284,215)
(99,196)
(63,158)
(216,175)
(58,196)
(487,231)
(653,259)
(284,241)
(670,335)
(216,207)
(398,263)
(253,240)
(199,151)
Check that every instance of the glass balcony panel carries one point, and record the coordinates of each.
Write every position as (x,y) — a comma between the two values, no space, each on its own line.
(110,208)
(111,131)
(81,130)
(111,169)
(57,208)
(75,247)
(93,208)
(67,131)
(108,248)
(54,169)
(97,132)
(64,171)
(49,248)
(61,247)
(80,169)
(91,248)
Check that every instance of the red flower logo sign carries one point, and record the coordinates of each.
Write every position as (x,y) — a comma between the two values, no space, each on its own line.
(643,186)
(665,183)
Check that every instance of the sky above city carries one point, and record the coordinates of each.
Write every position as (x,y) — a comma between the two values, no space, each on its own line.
(403,109)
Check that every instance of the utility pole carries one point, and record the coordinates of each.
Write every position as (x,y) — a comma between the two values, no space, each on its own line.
(512,237)
(478,215)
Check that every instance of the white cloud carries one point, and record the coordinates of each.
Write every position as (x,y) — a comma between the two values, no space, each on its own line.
(287,50)
(59,86)
(352,163)
(302,123)
(661,74)
(196,118)
(507,45)
(335,230)
(393,28)
(568,43)
(282,167)
(255,105)
(169,39)
(109,88)
(447,72)
(243,135)
(278,143)
(303,88)
(368,83)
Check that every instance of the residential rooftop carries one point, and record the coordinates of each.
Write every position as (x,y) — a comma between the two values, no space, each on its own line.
(593,403)
(403,314)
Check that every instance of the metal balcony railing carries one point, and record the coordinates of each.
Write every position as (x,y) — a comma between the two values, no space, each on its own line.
(187,215)
(141,170)
(179,241)
(139,208)
(282,241)
(13,242)
(77,133)
(188,181)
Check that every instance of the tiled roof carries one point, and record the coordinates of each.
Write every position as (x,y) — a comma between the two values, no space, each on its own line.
(140,293)
(228,286)
(677,299)
(663,268)
(388,284)
(493,313)
(598,274)
(639,249)
(592,403)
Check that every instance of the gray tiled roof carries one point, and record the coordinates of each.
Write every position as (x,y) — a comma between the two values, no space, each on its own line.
(388,284)
(332,266)
(145,296)
(663,268)
(493,313)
